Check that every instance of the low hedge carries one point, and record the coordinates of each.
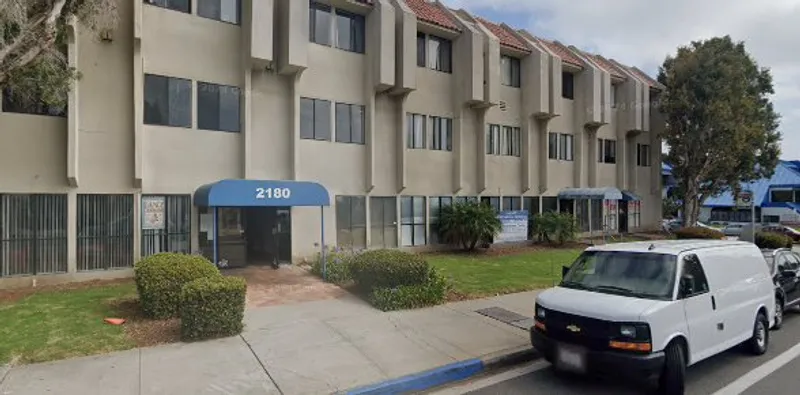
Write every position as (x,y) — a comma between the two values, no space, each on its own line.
(772,240)
(430,293)
(337,267)
(160,278)
(697,232)
(212,307)
(385,268)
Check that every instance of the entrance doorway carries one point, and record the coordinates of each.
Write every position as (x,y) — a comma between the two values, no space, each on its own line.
(622,216)
(248,236)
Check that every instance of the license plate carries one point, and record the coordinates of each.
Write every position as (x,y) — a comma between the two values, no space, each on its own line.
(570,358)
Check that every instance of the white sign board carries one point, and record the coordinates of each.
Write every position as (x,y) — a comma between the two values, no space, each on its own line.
(515,226)
(153,212)
(744,199)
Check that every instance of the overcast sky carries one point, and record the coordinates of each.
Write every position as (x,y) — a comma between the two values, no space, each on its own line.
(643,32)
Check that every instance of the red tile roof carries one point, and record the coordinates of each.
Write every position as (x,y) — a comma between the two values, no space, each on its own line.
(506,38)
(432,13)
(607,66)
(646,78)
(564,53)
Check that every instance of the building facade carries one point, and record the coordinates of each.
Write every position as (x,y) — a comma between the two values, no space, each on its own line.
(395,107)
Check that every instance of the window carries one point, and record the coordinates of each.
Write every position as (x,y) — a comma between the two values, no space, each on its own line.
(350,30)
(596,210)
(606,151)
(383,222)
(635,214)
(436,203)
(493,139)
(170,228)
(552,145)
(218,107)
(33,234)
(351,221)
(412,217)
(693,278)
(643,155)
(416,131)
(649,275)
(33,106)
(614,96)
(512,203)
(582,214)
(503,140)
(549,204)
(434,52)
(319,23)
(492,201)
(465,199)
(511,141)
(567,85)
(797,195)
(510,71)
(176,5)
(167,101)
(105,232)
(315,119)
(222,10)
(349,123)
(781,196)
(612,208)
(442,133)
(565,148)
(531,205)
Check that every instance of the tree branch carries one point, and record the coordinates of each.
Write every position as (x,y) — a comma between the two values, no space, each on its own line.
(49,33)
(24,33)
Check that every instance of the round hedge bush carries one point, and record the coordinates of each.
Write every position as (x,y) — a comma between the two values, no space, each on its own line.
(698,232)
(388,269)
(772,240)
(212,307)
(160,277)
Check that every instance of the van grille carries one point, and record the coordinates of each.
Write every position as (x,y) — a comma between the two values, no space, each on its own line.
(593,333)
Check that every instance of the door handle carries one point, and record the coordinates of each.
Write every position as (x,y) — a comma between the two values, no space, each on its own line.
(713,303)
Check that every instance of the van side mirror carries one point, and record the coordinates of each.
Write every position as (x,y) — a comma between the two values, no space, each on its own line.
(788,273)
(564,271)
(686,286)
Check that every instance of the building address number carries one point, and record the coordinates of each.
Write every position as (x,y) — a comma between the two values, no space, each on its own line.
(273,193)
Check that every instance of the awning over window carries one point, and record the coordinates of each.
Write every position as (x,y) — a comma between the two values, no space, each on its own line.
(629,196)
(607,193)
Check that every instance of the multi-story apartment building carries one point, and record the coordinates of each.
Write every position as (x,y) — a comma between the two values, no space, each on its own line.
(379,110)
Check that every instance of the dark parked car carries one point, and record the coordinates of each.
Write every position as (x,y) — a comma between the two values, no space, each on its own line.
(783,229)
(785,268)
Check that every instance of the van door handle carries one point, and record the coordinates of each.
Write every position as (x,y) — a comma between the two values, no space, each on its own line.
(713,303)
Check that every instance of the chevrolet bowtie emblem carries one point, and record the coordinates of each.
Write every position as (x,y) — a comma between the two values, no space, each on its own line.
(573,328)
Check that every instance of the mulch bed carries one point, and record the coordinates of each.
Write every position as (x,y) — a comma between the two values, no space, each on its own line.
(143,331)
(15,294)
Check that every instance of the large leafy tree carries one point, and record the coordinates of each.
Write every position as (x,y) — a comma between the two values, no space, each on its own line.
(722,129)
(33,34)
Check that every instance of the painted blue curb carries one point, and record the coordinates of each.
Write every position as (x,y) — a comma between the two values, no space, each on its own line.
(425,380)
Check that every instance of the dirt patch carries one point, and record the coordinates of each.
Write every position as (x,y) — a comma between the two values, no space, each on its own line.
(145,332)
(288,284)
(13,295)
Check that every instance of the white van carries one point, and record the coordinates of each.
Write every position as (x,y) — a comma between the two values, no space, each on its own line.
(654,308)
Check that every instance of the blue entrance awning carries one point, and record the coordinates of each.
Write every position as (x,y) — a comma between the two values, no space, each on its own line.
(607,193)
(629,196)
(258,193)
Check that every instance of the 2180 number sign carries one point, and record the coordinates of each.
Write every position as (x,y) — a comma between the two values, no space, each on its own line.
(273,193)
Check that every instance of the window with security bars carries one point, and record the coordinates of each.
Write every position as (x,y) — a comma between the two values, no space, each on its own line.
(33,234)
(173,233)
(105,232)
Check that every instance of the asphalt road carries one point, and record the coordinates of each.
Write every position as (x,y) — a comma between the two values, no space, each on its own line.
(731,373)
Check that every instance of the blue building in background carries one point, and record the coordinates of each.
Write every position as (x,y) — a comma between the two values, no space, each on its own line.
(777,199)
(668,181)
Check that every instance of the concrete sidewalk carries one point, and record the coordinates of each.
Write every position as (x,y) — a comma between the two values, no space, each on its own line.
(308,348)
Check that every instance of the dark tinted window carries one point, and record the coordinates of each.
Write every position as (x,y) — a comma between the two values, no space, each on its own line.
(176,5)
(350,31)
(315,119)
(319,23)
(349,123)
(167,101)
(221,10)
(218,107)
(567,85)
(693,274)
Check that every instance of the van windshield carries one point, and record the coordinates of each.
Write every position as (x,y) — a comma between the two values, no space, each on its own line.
(637,274)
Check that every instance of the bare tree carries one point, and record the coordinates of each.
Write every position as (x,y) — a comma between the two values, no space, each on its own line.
(33,42)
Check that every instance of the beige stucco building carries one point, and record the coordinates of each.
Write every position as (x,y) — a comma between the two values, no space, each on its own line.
(393,106)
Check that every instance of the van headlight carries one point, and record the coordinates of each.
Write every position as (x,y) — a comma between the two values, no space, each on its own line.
(628,331)
(540,313)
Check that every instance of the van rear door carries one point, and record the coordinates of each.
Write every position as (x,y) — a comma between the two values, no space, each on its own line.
(699,308)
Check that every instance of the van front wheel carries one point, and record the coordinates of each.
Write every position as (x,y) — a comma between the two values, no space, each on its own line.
(778,314)
(671,381)
(760,341)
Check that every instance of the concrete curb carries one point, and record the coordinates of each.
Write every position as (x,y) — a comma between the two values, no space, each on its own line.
(449,373)
(4,369)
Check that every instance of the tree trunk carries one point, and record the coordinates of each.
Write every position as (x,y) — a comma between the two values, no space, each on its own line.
(691,206)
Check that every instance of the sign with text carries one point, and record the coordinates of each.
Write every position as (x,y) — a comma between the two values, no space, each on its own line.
(515,226)
(153,212)
(744,199)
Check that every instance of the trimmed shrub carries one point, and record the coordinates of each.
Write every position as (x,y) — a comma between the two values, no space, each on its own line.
(697,232)
(337,266)
(388,269)
(160,277)
(555,227)
(772,240)
(430,293)
(212,307)
(468,224)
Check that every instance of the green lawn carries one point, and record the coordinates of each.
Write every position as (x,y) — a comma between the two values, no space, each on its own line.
(476,275)
(61,324)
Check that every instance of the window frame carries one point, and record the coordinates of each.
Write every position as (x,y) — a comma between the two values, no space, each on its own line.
(552,145)
(512,201)
(315,135)
(238,21)
(438,59)
(435,237)
(566,147)
(411,131)
(413,222)
(313,9)
(86,245)
(358,31)
(23,254)
(351,108)
(380,203)
(607,151)
(442,133)
(168,235)
(694,260)
(510,71)
(167,7)
(614,95)
(188,104)
(219,89)
(351,202)
(643,155)
(567,85)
